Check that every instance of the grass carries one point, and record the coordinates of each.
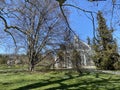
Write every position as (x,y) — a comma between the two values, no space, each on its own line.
(57,81)
(6,67)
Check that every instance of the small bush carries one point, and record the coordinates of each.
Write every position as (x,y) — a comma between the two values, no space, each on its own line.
(117,65)
(3,59)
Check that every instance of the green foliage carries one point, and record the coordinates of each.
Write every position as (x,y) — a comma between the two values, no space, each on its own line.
(117,65)
(3,59)
(105,46)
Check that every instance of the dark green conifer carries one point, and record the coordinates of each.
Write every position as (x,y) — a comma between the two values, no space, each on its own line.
(105,46)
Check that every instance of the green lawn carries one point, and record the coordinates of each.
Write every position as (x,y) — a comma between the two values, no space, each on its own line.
(58,80)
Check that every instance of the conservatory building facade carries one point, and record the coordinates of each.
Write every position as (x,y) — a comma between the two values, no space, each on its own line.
(84,50)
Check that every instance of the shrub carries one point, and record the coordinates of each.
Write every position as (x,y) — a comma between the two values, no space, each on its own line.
(3,60)
(117,65)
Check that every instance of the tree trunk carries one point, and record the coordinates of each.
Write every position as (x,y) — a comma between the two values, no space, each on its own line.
(78,68)
(31,65)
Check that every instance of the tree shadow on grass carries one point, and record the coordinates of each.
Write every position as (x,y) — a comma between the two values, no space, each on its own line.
(86,84)
(44,83)
(89,85)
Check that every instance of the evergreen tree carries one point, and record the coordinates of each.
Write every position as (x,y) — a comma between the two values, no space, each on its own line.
(105,46)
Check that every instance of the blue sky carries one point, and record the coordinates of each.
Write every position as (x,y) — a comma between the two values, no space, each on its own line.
(78,20)
(80,23)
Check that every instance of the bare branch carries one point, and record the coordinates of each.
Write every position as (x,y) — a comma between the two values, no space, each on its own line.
(10,27)
(86,11)
(113,6)
(7,27)
(70,5)
(93,23)
(67,21)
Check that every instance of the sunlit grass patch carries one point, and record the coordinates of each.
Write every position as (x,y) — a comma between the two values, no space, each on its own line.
(58,80)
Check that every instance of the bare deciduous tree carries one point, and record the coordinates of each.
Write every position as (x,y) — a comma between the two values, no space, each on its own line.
(41,25)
